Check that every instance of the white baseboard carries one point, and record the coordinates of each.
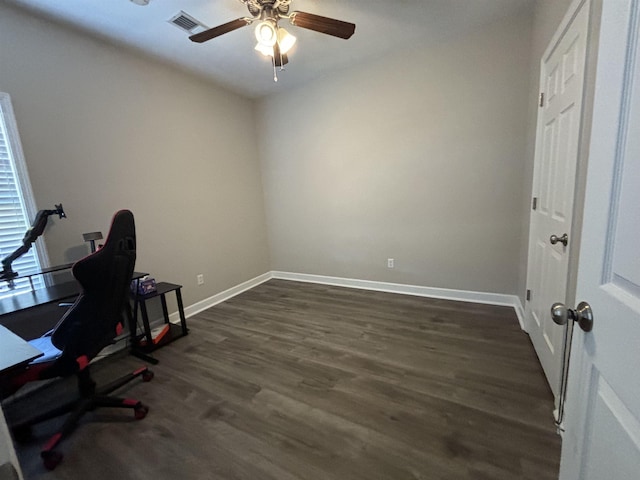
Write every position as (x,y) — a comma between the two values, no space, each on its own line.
(220,297)
(519,312)
(416,290)
(403,289)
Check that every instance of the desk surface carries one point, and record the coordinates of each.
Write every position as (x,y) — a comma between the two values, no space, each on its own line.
(15,350)
(42,296)
(56,268)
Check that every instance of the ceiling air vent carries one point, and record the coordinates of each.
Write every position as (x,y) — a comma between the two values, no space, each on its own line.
(186,22)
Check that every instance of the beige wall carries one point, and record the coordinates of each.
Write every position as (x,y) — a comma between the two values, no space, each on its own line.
(418,157)
(103,129)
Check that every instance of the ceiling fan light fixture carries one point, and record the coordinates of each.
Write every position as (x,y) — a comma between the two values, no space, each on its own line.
(263,49)
(266,33)
(285,40)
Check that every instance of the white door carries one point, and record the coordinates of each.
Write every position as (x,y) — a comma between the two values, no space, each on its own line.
(558,134)
(602,437)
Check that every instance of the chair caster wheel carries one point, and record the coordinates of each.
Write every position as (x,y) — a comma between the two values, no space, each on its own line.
(147,376)
(141,411)
(51,459)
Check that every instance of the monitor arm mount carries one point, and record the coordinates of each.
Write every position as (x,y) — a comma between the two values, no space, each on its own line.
(30,236)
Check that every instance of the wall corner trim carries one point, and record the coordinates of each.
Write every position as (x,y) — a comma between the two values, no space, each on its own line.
(517,306)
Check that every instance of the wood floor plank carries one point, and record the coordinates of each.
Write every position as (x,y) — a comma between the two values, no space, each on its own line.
(293,381)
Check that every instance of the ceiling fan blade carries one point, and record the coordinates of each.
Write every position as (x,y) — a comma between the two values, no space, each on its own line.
(220,30)
(327,25)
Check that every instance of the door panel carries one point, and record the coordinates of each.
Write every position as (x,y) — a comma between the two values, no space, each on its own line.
(626,261)
(546,175)
(608,413)
(556,268)
(565,162)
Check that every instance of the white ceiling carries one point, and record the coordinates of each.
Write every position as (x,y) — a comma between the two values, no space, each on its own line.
(383,26)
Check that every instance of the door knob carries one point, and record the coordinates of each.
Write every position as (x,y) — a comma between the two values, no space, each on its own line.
(583,314)
(564,239)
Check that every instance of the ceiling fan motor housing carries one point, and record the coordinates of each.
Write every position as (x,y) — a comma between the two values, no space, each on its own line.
(260,7)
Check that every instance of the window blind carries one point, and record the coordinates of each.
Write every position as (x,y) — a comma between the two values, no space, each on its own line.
(13,219)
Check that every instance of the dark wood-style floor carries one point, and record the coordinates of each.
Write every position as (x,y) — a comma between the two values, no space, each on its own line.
(300,381)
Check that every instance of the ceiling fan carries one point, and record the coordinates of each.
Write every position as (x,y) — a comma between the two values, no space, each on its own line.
(273,40)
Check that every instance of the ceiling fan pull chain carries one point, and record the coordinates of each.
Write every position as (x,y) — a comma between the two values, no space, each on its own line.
(275,72)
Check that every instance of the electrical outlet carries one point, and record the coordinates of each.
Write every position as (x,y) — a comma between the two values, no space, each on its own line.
(390,263)
(200,279)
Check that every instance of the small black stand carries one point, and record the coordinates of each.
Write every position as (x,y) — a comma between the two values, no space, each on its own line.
(144,344)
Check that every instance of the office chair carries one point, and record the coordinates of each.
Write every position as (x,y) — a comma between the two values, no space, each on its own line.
(90,324)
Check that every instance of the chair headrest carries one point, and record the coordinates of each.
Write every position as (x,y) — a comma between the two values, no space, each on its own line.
(92,270)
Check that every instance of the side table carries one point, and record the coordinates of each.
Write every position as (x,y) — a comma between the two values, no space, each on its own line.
(144,343)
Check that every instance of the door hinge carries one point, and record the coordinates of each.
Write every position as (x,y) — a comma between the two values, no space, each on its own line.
(528,295)
(541,99)
(534,204)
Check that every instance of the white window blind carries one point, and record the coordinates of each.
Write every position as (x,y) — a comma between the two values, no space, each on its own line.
(14,218)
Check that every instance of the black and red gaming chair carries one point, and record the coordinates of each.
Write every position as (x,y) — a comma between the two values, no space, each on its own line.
(90,324)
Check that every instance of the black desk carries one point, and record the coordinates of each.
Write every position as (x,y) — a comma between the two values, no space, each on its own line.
(42,296)
(15,350)
(31,305)
(44,271)
(36,298)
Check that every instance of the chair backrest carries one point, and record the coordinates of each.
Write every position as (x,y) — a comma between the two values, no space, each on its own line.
(95,318)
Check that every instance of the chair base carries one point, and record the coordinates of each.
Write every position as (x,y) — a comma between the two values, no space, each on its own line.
(90,399)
